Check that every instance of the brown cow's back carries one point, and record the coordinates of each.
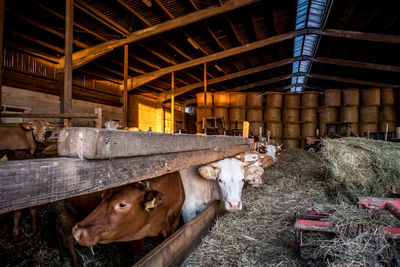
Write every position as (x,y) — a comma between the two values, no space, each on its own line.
(14,137)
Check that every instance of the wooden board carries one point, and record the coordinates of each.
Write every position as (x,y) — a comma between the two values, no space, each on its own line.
(28,183)
(92,143)
(176,248)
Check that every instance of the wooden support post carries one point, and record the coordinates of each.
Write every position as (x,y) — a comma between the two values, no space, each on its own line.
(99,120)
(160,117)
(125,100)
(205,98)
(66,95)
(172,102)
(1,50)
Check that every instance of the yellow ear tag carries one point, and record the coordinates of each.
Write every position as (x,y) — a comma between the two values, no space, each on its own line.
(4,158)
(150,204)
(209,174)
(27,127)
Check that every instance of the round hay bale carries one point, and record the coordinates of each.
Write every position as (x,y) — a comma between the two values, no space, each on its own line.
(200,99)
(387,96)
(291,115)
(254,114)
(365,127)
(349,114)
(371,97)
(200,113)
(273,100)
(291,130)
(237,114)
(273,114)
(391,126)
(236,125)
(254,127)
(291,100)
(309,115)
(221,99)
(387,113)
(237,99)
(308,129)
(309,100)
(275,129)
(222,112)
(290,143)
(332,98)
(351,97)
(369,114)
(255,100)
(328,114)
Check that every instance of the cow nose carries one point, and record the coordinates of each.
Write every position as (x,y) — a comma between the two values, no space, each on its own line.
(234,205)
(77,233)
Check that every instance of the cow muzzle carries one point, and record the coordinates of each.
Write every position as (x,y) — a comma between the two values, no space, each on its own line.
(232,205)
(81,235)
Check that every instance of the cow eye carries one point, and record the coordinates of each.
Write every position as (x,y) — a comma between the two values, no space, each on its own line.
(122,205)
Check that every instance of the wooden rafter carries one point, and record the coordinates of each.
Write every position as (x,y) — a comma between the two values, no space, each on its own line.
(86,55)
(356,64)
(165,96)
(354,81)
(137,81)
(82,5)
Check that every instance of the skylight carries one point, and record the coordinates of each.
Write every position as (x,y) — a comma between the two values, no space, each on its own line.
(310,14)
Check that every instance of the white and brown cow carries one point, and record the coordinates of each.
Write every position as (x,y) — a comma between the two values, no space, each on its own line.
(222,180)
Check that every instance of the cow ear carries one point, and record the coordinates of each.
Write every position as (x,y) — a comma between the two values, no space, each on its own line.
(27,125)
(51,126)
(153,199)
(208,172)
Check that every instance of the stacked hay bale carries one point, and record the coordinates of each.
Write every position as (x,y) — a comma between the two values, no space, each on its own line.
(237,109)
(387,112)
(254,113)
(291,120)
(350,108)
(221,106)
(369,110)
(328,112)
(273,115)
(309,118)
(200,110)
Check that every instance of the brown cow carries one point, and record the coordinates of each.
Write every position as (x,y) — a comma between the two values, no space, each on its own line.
(128,213)
(18,142)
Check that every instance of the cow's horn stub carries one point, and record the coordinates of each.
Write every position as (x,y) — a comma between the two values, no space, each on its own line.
(142,185)
(213,164)
(247,163)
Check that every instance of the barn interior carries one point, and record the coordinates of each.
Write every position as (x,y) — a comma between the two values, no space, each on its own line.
(283,71)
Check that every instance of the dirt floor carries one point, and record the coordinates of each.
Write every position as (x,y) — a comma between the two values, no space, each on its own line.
(262,233)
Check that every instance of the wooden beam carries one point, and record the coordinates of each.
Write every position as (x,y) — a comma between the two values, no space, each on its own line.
(125,98)
(140,80)
(356,64)
(364,36)
(48,115)
(66,90)
(82,57)
(98,36)
(265,82)
(175,249)
(32,52)
(82,5)
(37,41)
(44,27)
(136,14)
(182,90)
(1,50)
(355,81)
(172,102)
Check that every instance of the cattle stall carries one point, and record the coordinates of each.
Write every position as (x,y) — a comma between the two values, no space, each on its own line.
(144,91)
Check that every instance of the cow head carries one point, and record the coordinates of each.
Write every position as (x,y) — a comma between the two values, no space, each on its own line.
(252,175)
(39,128)
(229,174)
(271,150)
(121,216)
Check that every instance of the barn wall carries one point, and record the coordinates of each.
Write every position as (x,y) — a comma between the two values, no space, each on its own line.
(35,102)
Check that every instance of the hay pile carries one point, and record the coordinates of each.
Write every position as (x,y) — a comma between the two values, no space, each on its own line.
(361,167)
(262,233)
